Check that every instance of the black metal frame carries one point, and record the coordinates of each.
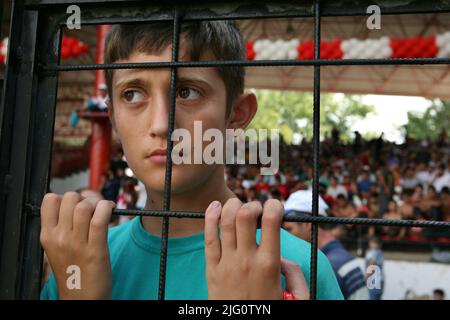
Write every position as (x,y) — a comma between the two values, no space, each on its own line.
(27,111)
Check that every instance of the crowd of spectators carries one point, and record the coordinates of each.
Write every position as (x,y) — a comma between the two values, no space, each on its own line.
(371,179)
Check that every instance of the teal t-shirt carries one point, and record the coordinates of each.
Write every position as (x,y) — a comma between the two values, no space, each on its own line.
(135,256)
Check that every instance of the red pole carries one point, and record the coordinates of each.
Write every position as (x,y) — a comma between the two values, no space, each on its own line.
(100,149)
(102,30)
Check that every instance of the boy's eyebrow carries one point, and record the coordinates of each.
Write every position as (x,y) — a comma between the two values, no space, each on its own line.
(131,82)
(142,81)
(190,78)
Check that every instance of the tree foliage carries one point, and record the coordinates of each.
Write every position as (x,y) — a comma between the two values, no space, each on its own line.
(429,124)
(292,113)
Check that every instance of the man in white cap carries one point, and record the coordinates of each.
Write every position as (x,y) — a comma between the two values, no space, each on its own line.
(99,103)
(348,271)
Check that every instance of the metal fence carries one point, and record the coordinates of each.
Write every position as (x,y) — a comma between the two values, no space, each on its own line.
(28,110)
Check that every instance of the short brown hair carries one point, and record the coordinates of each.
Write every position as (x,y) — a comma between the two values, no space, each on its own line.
(220,38)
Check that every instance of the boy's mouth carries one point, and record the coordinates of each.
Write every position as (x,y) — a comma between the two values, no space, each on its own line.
(158,155)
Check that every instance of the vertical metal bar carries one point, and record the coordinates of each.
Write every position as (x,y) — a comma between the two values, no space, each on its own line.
(14,146)
(2,5)
(40,139)
(168,176)
(316,153)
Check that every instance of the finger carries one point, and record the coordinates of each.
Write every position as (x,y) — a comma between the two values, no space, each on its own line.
(295,279)
(246,224)
(228,224)
(82,216)
(212,241)
(68,203)
(270,227)
(98,229)
(50,210)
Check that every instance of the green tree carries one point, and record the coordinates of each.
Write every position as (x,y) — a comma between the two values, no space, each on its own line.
(292,113)
(430,123)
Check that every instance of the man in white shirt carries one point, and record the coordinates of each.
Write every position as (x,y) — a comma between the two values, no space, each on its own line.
(335,189)
(442,178)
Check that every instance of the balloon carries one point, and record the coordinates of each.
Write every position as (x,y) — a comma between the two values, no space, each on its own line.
(65,52)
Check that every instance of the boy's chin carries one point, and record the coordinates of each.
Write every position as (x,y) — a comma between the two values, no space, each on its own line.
(183,179)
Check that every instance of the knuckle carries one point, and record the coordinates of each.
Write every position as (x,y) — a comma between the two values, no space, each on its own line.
(51,198)
(245,214)
(76,246)
(44,238)
(61,241)
(271,218)
(233,201)
(292,266)
(98,224)
(84,206)
(269,266)
(71,195)
(227,226)
(210,244)
(296,268)
(245,265)
(103,205)
(275,205)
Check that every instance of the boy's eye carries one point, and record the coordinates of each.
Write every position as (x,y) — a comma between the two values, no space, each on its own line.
(133,96)
(188,93)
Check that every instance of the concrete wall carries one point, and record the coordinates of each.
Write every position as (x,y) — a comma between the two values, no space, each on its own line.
(70,183)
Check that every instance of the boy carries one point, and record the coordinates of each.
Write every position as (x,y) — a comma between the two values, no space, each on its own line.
(124,262)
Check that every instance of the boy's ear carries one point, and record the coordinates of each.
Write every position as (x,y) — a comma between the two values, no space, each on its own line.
(243,111)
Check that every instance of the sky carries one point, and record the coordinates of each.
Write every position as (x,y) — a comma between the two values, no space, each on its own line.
(390,113)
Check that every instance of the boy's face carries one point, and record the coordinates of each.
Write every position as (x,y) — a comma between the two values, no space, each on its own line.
(299,229)
(140,116)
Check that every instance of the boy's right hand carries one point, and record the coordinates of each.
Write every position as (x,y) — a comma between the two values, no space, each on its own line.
(74,232)
(239,268)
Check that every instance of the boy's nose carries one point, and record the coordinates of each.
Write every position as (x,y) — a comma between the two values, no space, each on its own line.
(159,116)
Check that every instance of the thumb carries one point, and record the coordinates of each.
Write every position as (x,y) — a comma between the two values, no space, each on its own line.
(295,279)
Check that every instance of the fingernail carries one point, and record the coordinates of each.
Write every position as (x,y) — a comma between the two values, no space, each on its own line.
(214,205)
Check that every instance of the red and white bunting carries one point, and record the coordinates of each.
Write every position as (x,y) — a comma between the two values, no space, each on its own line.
(437,46)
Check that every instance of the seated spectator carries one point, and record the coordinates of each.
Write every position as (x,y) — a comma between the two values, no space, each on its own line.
(438,294)
(406,209)
(445,199)
(392,213)
(334,188)
(261,185)
(441,178)
(430,206)
(409,180)
(423,174)
(365,184)
(342,208)
(99,103)
(280,188)
(252,194)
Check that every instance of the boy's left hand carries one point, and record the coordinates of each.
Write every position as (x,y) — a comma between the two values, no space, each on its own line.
(236,266)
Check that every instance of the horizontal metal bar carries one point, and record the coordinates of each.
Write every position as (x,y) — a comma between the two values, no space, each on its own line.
(120,11)
(255,63)
(290,217)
